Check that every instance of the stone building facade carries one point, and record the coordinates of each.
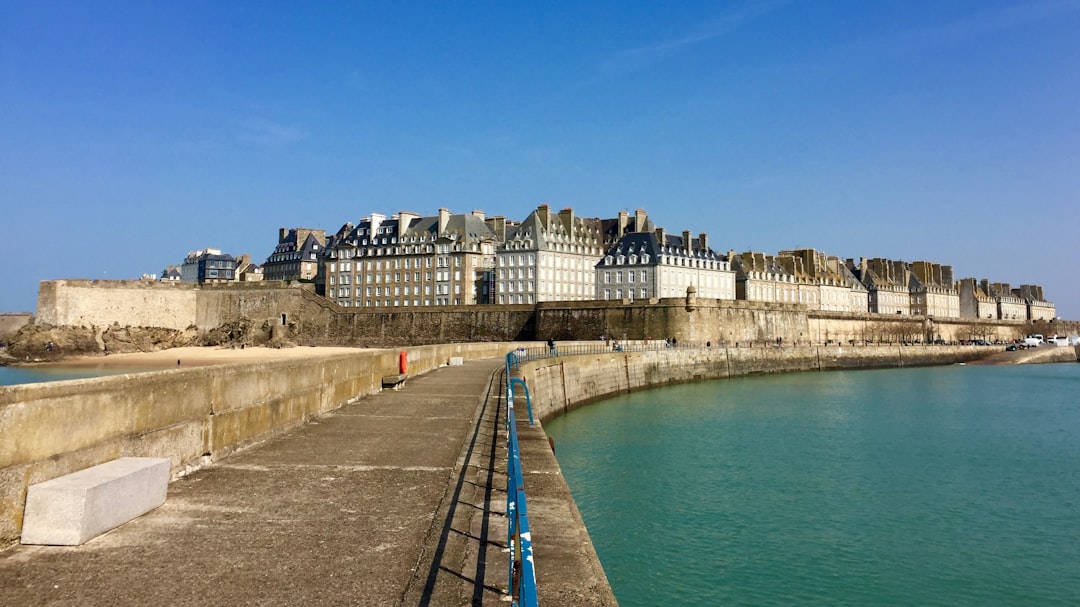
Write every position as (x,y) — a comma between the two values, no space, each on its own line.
(803,276)
(933,291)
(409,261)
(887,283)
(654,264)
(208,266)
(296,256)
(549,257)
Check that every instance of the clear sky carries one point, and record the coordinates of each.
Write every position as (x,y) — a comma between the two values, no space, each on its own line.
(947,130)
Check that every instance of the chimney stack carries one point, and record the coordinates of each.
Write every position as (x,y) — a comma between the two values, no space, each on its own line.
(567,216)
(687,244)
(624,219)
(444,219)
(639,220)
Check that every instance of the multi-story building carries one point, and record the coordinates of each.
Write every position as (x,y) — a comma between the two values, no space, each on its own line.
(887,284)
(974,302)
(933,292)
(549,257)
(1037,306)
(644,265)
(208,266)
(760,277)
(1010,306)
(824,282)
(296,256)
(803,276)
(409,260)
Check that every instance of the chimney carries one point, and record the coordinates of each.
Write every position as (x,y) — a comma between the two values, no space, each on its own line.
(639,220)
(542,213)
(444,218)
(624,219)
(478,214)
(282,234)
(703,242)
(567,217)
(661,237)
(687,244)
(497,225)
(376,221)
(405,219)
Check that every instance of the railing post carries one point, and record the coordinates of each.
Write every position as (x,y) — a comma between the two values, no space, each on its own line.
(522,571)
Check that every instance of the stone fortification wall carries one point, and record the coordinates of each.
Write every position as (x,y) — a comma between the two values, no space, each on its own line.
(289,311)
(191,416)
(292,311)
(557,385)
(11,323)
(688,321)
(100,303)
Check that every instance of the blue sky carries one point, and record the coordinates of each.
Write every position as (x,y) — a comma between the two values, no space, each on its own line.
(948,131)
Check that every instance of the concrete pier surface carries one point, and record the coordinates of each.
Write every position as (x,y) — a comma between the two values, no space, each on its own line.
(396,499)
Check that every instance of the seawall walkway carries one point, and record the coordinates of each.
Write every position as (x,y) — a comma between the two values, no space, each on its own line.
(396,499)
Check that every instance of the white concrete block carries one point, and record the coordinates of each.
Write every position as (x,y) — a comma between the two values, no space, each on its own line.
(456,361)
(76,507)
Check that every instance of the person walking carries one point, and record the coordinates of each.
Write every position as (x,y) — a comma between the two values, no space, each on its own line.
(551,347)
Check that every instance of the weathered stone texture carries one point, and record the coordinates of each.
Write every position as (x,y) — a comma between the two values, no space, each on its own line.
(190,416)
(557,385)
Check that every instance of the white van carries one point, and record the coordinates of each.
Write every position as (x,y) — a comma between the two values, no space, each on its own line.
(1034,340)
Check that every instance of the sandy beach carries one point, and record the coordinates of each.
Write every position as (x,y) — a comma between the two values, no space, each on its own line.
(194,357)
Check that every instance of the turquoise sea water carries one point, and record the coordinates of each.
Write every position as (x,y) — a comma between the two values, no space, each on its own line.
(936,486)
(32,375)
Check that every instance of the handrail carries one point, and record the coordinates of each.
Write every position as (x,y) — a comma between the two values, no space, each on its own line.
(522,571)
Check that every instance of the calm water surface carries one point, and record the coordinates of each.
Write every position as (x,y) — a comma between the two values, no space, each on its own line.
(937,486)
(32,375)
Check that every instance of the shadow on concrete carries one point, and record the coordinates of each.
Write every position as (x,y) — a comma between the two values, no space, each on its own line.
(484,444)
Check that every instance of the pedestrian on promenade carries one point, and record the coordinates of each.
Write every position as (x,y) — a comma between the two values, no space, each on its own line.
(551,347)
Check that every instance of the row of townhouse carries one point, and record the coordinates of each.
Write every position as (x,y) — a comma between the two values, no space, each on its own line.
(997,300)
(802,276)
(925,288)
(462,259)
(408,260)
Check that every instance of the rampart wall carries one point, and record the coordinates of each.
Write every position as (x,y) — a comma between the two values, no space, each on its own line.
(191,416)
(293,311)
(557,385)
(10,323)
(100,303)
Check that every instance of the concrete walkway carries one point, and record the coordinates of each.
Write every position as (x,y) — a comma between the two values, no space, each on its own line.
(370,505)
(397,499)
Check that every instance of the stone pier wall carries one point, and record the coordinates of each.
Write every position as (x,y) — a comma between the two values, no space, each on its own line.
(557,385)
(191,416)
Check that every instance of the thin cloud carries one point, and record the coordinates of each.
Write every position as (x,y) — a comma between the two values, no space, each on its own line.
(271,134)
(643,56)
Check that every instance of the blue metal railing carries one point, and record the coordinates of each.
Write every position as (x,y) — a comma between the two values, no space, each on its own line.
(522,572)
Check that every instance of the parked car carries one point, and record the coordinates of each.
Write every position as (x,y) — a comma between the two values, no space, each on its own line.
(1010,348)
